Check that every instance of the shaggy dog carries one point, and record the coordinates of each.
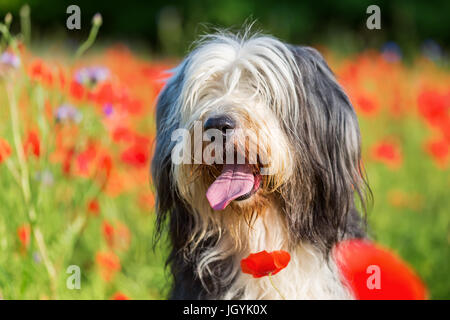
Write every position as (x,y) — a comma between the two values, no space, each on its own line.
(294,192)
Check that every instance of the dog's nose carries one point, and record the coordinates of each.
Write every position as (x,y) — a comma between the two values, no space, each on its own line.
(222,123)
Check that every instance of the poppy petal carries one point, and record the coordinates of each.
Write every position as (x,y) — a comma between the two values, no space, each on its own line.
(397,281)
(264,263)
(281,258)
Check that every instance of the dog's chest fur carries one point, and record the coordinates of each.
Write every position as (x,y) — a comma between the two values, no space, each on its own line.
(308,275)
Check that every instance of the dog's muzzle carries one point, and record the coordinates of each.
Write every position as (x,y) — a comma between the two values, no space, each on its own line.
(237,182)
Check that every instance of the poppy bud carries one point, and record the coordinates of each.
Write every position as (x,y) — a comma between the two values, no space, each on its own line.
(97,20)
(8,18)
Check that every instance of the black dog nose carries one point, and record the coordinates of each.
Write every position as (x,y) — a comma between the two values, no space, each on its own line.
(222,123)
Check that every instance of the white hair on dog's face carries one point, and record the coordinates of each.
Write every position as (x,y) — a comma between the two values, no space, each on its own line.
(252,81)
(285,100)
(224,67)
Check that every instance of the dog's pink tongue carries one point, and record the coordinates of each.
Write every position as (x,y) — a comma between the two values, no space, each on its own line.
(234,181)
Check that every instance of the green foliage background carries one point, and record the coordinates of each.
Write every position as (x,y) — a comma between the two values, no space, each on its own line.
(170,26)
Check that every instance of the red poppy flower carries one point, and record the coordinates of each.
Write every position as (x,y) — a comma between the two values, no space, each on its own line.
(434,106)
(440,151)
(133,106)
(108,233)
(265,263)
(67,162)
(40,72)
(86,158)
(157,76)
(374,273)
(36,68)
(32,144)
(136,156)
(105,164)
(367,105)
(61,78)
(119,296)
(117,235)
(109,264)
(105,93)
(24,233)
(122,134)
(387,153)
(77,91)
(5,150)
(94,207)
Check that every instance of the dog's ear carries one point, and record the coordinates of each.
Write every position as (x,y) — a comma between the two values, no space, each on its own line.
(319,199)
(173,214)
(161,165)
(168,203)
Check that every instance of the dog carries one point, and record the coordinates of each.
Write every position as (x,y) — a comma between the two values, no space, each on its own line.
(215,214)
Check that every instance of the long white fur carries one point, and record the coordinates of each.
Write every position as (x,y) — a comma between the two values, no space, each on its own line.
(255,81)
(308,275)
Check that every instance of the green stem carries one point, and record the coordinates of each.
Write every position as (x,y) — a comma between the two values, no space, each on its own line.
(26,190)
(6,36)
(276,289)
(5,31)
(25,24)
(96,23)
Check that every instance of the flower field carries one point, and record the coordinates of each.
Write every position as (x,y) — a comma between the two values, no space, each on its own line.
(75,149)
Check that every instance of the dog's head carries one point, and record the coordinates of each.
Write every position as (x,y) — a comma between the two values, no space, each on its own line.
(250,123)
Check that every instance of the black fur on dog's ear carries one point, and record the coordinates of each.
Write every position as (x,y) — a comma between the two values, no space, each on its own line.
(161,163)
(319,199)
(173,214)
